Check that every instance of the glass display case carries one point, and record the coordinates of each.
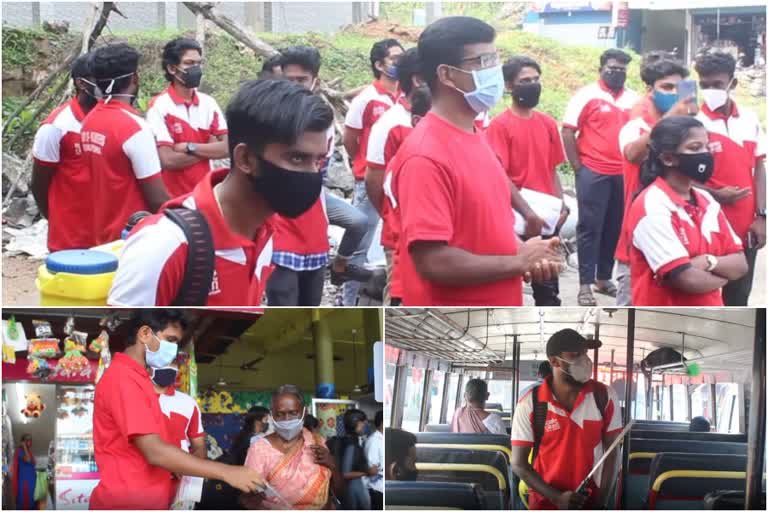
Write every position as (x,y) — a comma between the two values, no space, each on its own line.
(76,471)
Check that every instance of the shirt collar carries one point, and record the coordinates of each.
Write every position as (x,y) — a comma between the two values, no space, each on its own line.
(379,86)
(676,198)
(610,91)
(119,105)
(130,363)
(718,115)
(546,394)
(77,110)
(179,100)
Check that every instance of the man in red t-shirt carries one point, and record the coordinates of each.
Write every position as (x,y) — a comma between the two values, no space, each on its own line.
(366,108)
(119,147)
(661,74)
(189,126)
(458,244)
(591,125)
(278,135)
(135,451)
(737,141)
(529,147)
(582,419)
(59,171)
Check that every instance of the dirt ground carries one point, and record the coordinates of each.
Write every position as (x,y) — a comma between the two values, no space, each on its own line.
(19,285)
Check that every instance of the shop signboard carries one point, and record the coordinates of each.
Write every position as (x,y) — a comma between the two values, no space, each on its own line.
(18,371)
(74,494)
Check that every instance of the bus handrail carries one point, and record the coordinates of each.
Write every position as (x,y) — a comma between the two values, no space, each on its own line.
(694,473)
(480,468)
(642,455)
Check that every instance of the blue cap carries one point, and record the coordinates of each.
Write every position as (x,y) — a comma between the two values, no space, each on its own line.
(81,261)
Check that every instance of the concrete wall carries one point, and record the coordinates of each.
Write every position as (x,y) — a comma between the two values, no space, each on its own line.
(576,28)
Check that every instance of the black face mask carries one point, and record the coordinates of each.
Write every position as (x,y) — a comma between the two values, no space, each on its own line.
(191,76)
(526,95)
(164,377)
(697,166)
(614,79)
(289,193)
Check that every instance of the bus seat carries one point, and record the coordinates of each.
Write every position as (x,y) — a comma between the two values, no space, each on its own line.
(467,455)
(642,452)
(661,425)
(728,500)
(418,495)
(490,479)
(454,440)
(493,406)
(688,436)
(435,427)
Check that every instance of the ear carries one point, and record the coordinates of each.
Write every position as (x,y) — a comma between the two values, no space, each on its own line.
(669,159)
(444,75)
(734,83)
(415,120)
(244,160)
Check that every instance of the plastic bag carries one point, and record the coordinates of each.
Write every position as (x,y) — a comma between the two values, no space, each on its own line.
(44,348)
(104,359)
(38,368)
(69,326)
(77,341)
(42,329)
(98,343)
(73,363)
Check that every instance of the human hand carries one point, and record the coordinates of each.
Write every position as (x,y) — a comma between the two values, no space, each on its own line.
(323,456)
(244,479)
(758,232)
(534,225)
(730,194)
(570,500)
(373,470)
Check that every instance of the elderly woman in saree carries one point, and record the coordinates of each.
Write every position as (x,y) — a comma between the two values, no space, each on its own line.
(300,471)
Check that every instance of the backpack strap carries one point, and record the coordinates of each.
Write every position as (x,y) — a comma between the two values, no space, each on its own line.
(539,419)
(198,273)
(601,397)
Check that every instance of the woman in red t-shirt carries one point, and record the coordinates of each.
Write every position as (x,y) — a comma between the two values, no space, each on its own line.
(683,248)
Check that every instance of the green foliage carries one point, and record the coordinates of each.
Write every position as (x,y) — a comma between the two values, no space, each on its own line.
(19,46)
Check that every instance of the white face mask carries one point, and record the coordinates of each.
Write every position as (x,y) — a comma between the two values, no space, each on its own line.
(716,98)
(287,429)
(580,369)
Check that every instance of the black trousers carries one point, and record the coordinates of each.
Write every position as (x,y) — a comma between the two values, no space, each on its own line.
(377,500)
(288,287)
(601,208)
(736,293)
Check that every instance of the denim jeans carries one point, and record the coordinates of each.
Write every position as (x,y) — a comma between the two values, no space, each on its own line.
(342,214)
(361,202)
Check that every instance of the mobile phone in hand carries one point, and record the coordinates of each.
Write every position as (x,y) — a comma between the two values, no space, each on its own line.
(687,88)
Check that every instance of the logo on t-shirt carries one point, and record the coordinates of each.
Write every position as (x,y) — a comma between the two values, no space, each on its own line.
(605,108)
(551,425)
(177,128)
(215,290)
(378,110)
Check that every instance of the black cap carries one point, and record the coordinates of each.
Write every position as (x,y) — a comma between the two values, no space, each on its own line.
(567,340)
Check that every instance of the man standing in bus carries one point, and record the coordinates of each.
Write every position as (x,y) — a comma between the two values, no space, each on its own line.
(568,421)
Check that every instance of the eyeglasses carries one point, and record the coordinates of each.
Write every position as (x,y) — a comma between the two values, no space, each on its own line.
(486,60)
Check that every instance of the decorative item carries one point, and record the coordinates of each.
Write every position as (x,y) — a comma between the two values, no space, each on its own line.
(35,406)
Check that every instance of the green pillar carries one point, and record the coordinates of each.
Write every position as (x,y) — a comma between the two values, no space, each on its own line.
(325,383)
(372,325)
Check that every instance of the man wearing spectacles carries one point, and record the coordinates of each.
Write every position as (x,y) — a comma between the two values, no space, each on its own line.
(458,242)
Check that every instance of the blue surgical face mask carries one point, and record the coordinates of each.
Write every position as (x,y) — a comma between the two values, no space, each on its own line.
(391,72)
(164,355)
(489,88)
(664,101)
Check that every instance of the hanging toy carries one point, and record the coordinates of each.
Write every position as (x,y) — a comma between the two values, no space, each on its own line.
(77,341)
(105,357)
(13,329)
(99,342)
(69,326)
(34,407)
(39,368)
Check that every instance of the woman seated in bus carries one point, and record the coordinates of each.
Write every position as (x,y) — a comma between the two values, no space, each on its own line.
(293,461)
(683,248)
(472,418)
(399,455)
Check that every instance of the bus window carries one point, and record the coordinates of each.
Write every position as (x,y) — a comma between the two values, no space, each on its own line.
(414,389)
(389,390)
(500,393)
(435,396)
(453,387)
(680,404)
(728,408)
(701,402)
(639,405)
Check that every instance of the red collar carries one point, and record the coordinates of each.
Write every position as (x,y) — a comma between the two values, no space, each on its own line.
(610,91)
(170,390)
(114,104)
(379,86)
(545,394)
(171,90)
(405,103)
(130,363)
(712,114)
(77,110)
(205,201)
(676,198)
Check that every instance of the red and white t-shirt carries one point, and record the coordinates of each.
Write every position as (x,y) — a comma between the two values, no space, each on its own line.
(153,261)
(529,149)
(119,148)
(366,108)
(183,417)
(598,114)
(451,188)
(581,430)
(125,406)
(173,120)
(57,146)
(643,118)
(737,144)
(482,121)
(667,232)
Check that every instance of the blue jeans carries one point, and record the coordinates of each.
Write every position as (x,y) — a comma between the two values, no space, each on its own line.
(361,202)
(355,224)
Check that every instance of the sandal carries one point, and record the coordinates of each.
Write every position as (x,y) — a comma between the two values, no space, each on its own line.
(586,298)
(609,289)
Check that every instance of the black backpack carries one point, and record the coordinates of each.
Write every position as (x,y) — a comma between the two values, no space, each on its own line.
(540,413)
(198,273)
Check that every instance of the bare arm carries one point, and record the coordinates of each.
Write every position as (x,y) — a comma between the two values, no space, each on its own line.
(171,159)
(374,186)
(41,183)
(637,150)
(696,281)
(731,267)
(209,150)
(351,141)
(760,184)
(571,149)
(155,193)
(610,469)
(197,447)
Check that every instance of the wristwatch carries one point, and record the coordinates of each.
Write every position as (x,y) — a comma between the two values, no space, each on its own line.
(191,148)
(760,212)
(712,262)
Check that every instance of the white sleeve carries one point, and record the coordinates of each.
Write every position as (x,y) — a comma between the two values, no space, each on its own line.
(376,142)
(613,410)
(522,426)
(655,237)
(142,152)
(354,117)
(221,118)
(47,145)
(574,108)
(156,121)
(631,131)
(494,424)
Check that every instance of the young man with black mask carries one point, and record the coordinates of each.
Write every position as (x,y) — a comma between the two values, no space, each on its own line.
(135,450)
(458,242)
(277,139)
(528,144)
(591,125)
(119,146)
(59,169)
(189,126)
(582,420)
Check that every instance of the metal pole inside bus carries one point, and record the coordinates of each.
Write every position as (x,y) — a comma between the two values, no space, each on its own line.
(594,355)
(515,376)
(756,433)
(627,402)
